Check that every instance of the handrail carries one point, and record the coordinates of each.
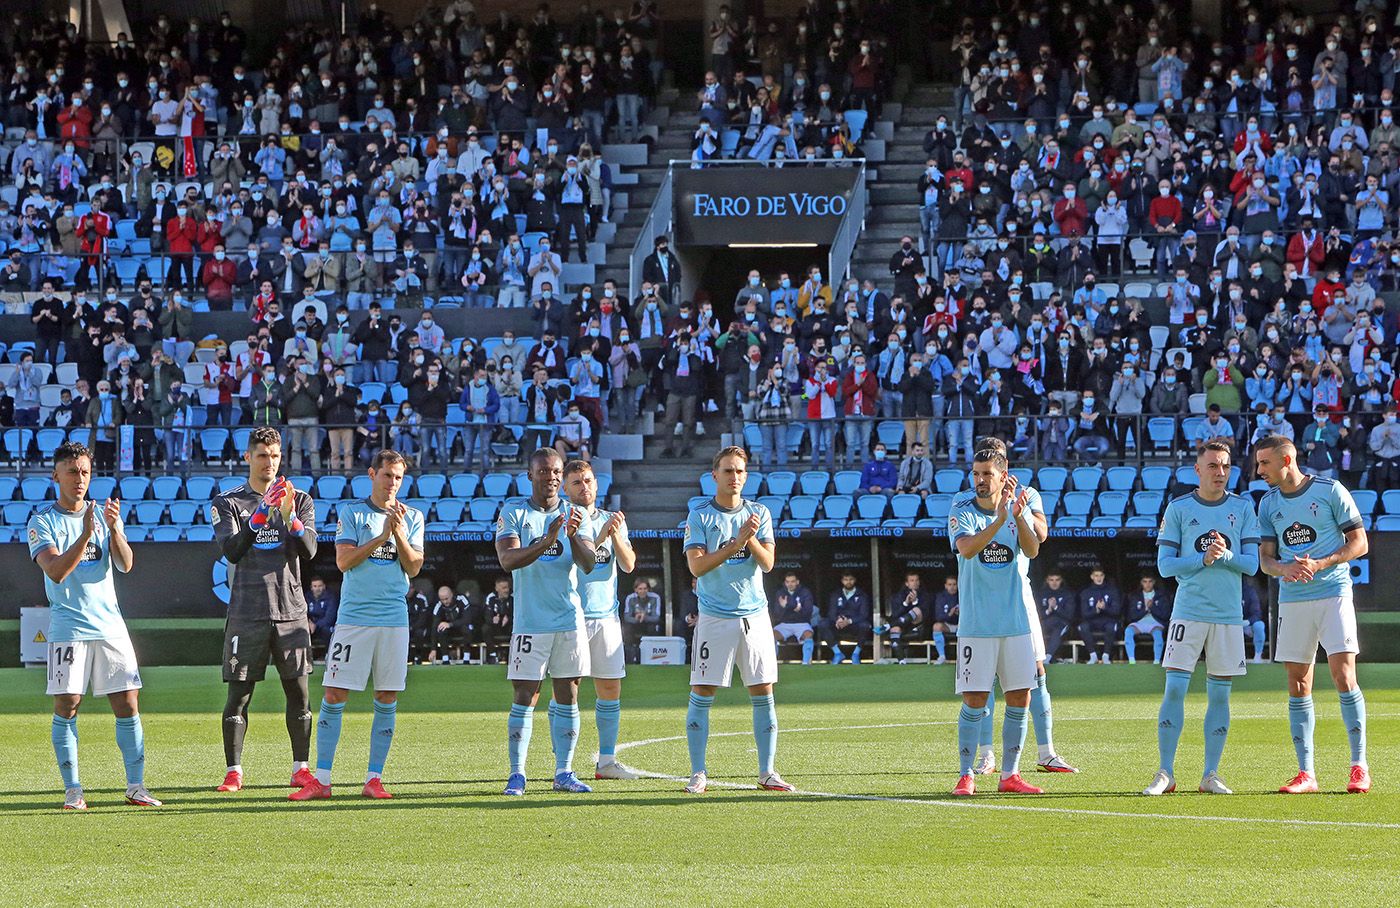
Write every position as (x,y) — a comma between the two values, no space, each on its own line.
(658,222)
(852,225)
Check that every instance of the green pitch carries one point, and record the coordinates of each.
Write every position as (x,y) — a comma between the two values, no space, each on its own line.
(877,742)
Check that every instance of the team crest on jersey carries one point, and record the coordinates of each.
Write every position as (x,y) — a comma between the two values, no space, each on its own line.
(1299,536)
(996,556)
(1231,517)
(1312,508)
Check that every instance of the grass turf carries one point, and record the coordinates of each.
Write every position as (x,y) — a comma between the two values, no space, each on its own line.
(877,732)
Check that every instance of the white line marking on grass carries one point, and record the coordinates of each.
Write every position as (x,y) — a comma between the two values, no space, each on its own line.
(967,804)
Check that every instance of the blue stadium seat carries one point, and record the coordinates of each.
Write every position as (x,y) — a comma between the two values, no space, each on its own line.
(1186,475)
(794,524)
(753,440)
(900,522)
(430,485)
(846,482)
(37,488)
(1388,523)
(229,483)
(361,486)
(814,482)
(17,442)
(185,513)
(8,486)
(1156,478)
(890,433)
(949,481)
(323,508)
(781,483)
(149,513)
(1148,503)
(838,507)
(604,484)
(1234,481)
(937,506)
(1161,431)
(1365,501)
(48,440)
(775,504)
(331,487)
(872,507)
(101,488)
(1024,475)
(1068,522)
(239,435)
(1107,522)
(753,485)
(906,506)
(136,534)
(803,507)
(522,485)
(464,485)
(199,488)
(1390,502)
(855,122)
(795,433)
(831,523)
(17,513)
(167,534)
(1139,522)
(200,533)
(1051,502)
(1078,504)
(1121,479)
(212,441)
(166,488)
(1052,479)
(928,523)
(1086,479)
(1189,425)
(484,510)
(372,391)
(1113,504)
(859,522)
(134,488)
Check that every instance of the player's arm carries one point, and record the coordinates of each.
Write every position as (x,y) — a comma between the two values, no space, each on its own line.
(581,547)
(350,555)
(117,544)
(1355,546)
(409,544)
(513,556)
(969,544)
(1027,535)
(58,565)
(762,546)
(1171,561)
(623,554)
(303,540)
(235,535)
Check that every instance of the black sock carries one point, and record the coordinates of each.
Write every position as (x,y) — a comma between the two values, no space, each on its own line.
(236,720)
(298,717)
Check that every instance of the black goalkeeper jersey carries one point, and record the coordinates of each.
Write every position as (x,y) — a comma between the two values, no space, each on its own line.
(264,565)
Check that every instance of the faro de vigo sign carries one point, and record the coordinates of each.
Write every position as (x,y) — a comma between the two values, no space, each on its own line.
(717,206)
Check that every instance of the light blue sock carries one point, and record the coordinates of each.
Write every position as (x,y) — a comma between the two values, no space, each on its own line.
(131,741)
(969,728)
(519,727)
(1217,721)
(327,738)
(607,714)
(1354,715)
(1013,739)
(1259,630)
(65,749)
(1130,646)
(1301,720)
(1040,714)
(807,646)
(765,731)
(381,735)
(697,729)
(1170,719)
(564,727)
(855,654)
(1158,643)
(989,720)
(939,641)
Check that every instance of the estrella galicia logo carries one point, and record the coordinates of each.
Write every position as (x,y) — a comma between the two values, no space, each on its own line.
(386,553)
(1299,536)
(741,557)
(1203,542)
(93,552)
(553,552)
(603,556)
(268,537)
(996,556)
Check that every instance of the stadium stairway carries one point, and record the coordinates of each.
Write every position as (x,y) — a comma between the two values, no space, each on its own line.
(894,209)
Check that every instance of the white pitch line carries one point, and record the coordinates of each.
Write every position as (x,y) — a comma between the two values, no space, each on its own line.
(966,804)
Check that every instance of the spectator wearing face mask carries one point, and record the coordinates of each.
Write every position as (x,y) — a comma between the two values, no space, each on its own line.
(1384,445)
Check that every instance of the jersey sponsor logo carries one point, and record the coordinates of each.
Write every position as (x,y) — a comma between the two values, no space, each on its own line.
(92,552)
(603,555)
(553,552)
(268,538)
(996,556)
(1204,541)
(386,553)
(1299,536)
(741,557)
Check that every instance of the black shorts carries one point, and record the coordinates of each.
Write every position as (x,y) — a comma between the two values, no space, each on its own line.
(248,645)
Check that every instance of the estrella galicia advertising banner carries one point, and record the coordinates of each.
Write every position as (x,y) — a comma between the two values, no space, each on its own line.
(717,206)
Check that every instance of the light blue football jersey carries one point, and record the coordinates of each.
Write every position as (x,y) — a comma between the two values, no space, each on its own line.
(1312,522)
(598,590)
(734,589)
(992,583)
(1209,593)
(547,598)
(84,605)
(374,592)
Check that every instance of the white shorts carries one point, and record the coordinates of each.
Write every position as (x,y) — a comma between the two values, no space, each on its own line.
(720,642)
(1303,625)
(357,652)
(1145,625)
(793,630)
(563,654)
(1037,636)
(605,656)
(1223,645)
(109,664)
(1008,659)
